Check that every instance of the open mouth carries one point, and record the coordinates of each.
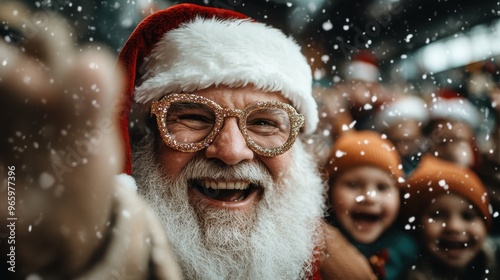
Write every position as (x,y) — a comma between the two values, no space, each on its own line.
(233,191)
(365,217)
(452,245)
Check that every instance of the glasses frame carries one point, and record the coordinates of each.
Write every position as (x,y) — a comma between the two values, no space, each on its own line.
(160,108)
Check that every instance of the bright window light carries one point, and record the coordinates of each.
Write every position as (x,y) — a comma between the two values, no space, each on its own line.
(480,43)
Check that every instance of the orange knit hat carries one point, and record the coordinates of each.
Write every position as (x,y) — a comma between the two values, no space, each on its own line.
(361,148)
(434,177)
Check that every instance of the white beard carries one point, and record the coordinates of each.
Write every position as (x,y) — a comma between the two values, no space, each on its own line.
(276,241)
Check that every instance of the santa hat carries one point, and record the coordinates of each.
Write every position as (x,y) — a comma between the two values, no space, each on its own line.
(363,67)
(406,107)
(434,177)
(451,105)
(363,148)
(188,47)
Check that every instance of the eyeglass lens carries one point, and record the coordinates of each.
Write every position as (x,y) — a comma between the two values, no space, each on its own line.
(191,122)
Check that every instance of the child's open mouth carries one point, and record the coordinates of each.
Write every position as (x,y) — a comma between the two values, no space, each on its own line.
(365,221)
(365,217)
(447,245)
(455,250)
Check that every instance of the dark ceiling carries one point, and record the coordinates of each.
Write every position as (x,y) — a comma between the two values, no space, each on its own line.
(337,28)
(388,28)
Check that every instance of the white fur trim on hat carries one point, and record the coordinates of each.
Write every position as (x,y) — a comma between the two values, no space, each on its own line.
(458,109)
(408,107)
(234,53)
(362,71)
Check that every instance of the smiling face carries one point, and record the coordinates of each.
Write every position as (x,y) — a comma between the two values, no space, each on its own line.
(406,135)
(365,201)
(228,148)
(226,209)
(452,230)
(453,141)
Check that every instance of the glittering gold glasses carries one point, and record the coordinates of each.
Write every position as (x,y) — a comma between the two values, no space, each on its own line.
(189,123)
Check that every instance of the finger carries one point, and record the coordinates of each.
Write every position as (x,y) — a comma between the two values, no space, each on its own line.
(45,35)
(87,97)
(96,69)
(21,76)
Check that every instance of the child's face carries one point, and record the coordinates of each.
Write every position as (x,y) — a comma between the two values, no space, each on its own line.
(365,201)
(406,135)
(453,232)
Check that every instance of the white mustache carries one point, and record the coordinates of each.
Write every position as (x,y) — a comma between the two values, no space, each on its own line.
(217,175)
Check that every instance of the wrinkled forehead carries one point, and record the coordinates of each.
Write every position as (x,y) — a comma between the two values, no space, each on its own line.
(240,97)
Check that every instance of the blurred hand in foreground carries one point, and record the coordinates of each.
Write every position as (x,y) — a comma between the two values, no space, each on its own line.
(59,150)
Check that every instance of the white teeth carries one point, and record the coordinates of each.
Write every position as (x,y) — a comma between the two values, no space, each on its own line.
(213,185)
(240,185)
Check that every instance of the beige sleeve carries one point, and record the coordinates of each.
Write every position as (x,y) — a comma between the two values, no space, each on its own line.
(136,246)
(341,259)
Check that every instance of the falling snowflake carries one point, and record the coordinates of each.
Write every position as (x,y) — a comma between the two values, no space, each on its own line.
(327,25)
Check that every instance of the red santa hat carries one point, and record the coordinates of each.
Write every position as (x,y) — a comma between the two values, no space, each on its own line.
(451,105)
(406,107)
(363,67)
(188,47)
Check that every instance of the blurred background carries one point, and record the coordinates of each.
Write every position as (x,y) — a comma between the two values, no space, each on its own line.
(409,38)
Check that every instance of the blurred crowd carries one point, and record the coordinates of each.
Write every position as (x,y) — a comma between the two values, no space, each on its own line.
(429,157)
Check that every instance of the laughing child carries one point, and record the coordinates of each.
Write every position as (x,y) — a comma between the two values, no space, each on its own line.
(364,177)
(451,209)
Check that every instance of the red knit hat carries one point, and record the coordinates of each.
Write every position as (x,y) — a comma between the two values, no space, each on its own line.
(188,47)
(359,148)
(434,177)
